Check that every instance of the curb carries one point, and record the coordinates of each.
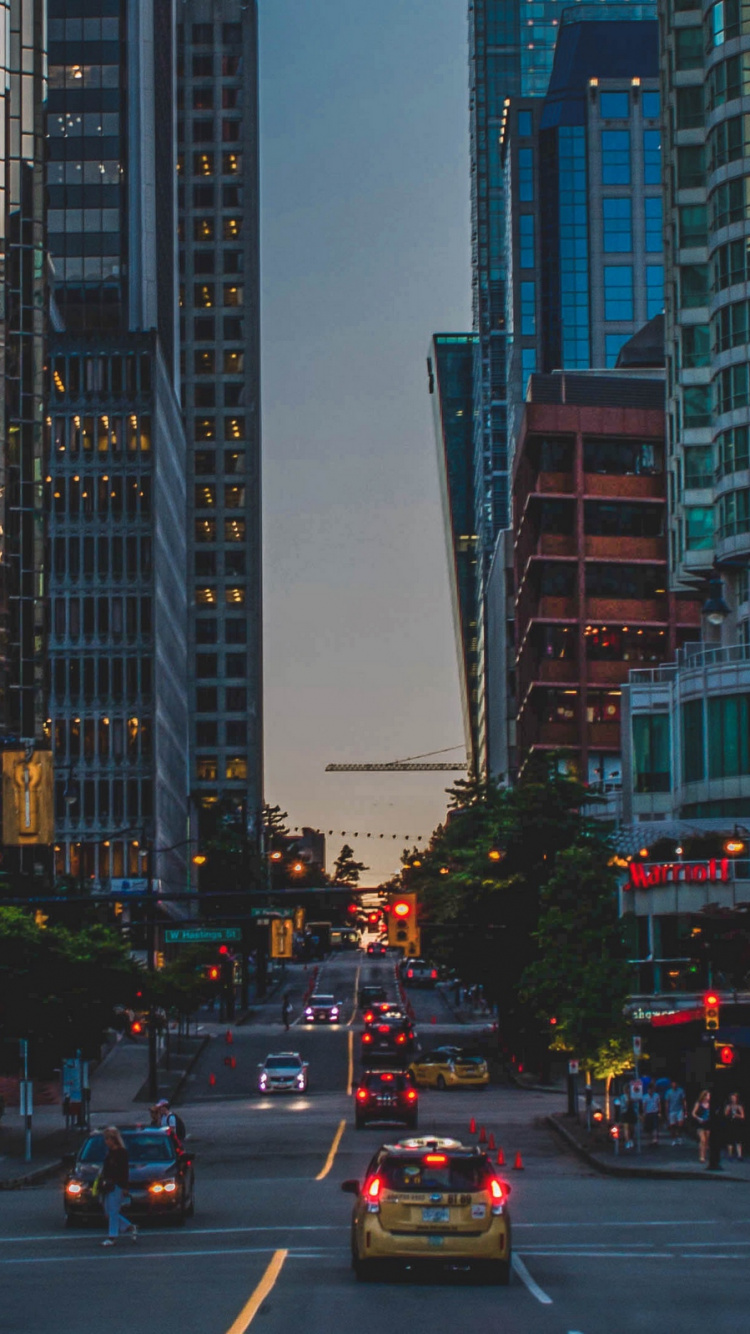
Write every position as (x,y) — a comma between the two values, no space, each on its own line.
(650,1173)
(33,1178)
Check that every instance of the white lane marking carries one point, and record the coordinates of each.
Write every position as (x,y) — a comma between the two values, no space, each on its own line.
(672,1222)
(606,1255)
(203,1231)
(133,1254)
(526,1278)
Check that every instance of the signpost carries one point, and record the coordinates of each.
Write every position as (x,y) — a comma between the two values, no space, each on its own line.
(201,935)
(27,1101)
(573,1089)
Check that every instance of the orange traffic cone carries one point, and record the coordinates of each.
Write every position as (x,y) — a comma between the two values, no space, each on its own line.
(228,1036)
(500,1157)
(491,1142)
(518,1164)
(473,1126)
(433,1020)
(212,1081)
(482,1135)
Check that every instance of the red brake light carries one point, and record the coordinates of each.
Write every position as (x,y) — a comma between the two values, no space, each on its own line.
(382,1028)
(374,1188)
(411,1095)
(136,1027)
(386,1076)
(496,1190)
(362,1095)
(436,1159)
(434,972)
(401,1037)
(369,1017)
(367,1037)
(410,973)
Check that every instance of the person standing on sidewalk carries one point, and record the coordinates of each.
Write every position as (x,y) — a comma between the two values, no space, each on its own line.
(113,1183)
(702,1115)
(676,1107)
(735,1118)
(286,1010)
(652,1113)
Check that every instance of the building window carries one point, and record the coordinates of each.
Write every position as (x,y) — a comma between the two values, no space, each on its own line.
(205,530)
(693,748)
(614,106)
(733,450)
(699,528)
(688,48)
(651,105)
(206,631)
(206,734)
(694,284)
(612,345)
(698,460)
(728,736)
(526,175)
(234,597)
(654,224)
(524,124)
(236,767)
(526,240)
(731,387)
(207,767)
(618,229)
(618,292)
(693,225)
(733,514)
(528,309)
(696,349)
(203,164)
(652,157)
(528,365)
(205,597)
(616,157)
(654,290)
(696,405)
(206,699)
(690,110)
(651,753)
(730,201)
(234,530)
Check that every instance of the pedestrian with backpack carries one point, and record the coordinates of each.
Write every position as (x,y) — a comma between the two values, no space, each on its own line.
(163,1117)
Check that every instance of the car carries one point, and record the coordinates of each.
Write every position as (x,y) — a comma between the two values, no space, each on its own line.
(283,1072)
(450,1067)
(389,1035)
(369,994)
(322,1009)
(161,1177)
(419,973)
(386,1095)
(377,949)
(430,1199)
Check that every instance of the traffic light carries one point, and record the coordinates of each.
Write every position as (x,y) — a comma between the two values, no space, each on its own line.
(403,930)
(725,1056)
(711,1011)
(212,972)
(281,940)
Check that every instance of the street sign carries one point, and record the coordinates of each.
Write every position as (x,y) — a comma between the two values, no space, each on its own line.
(132,885)
(636,1044)
(72,1081)
(201,935)
(572,1067)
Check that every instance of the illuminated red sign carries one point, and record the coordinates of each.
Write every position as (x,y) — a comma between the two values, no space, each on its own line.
(652,874)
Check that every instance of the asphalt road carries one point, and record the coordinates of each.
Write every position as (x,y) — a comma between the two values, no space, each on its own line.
(268,1248)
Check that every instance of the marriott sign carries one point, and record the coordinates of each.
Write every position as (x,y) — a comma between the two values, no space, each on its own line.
(648,876)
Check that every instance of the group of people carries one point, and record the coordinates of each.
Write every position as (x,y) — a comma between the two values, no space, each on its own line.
(112,1179)
(667,1106)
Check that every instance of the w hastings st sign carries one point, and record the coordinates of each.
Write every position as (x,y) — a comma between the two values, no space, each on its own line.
(649,875)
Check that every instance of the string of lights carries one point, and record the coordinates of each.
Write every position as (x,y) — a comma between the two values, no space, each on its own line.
(355,833)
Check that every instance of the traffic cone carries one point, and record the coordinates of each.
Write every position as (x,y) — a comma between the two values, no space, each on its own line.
(228,1037)
(433,1020)
(233,1062)
(491,1142)
(473,1126)
(500,1157)
(518,1164)
(482,1135)
(212,1080)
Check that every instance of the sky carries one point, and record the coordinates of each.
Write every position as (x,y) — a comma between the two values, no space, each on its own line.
(365,253)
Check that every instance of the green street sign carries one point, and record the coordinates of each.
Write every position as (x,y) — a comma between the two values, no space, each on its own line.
(200,935)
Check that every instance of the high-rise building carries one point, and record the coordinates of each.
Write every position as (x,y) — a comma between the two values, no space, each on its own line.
(117,464)
(23,314)
(451,382)
(220,351)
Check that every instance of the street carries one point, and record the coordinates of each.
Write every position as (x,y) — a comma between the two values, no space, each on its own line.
(269,1244)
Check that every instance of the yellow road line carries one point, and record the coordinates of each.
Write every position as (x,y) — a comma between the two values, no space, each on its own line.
(350,1066)
(252,1306)
(356,995)
(328,1162)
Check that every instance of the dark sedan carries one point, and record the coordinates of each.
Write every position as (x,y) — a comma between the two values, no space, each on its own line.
(391,1035)
(386,1095)
(160,1181)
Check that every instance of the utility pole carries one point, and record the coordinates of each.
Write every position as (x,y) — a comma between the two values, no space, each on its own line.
(153,1075)
(26,1098)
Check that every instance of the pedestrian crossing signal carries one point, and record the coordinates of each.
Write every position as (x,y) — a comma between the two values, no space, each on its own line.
(725,1055)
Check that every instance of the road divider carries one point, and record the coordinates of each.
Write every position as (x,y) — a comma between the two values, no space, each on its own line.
(252,1306)
(331,1153)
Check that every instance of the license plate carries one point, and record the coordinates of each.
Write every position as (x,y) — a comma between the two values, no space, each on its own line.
(435,1215)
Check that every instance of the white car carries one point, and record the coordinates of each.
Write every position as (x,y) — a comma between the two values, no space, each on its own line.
(283,1072)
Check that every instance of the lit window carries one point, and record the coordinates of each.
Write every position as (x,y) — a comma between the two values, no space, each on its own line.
(231,164)
(205,596)
(233,294)
(236,767)
(232,228)
(205,530)
(234,596)
(205,496)
(207,767)
(203,164)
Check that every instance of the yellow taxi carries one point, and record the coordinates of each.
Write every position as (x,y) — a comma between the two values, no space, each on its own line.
(450,1067)
(430,1200)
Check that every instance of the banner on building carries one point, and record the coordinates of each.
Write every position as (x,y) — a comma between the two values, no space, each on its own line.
(27,797)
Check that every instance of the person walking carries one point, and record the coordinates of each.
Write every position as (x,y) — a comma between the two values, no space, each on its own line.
(113,1183)
(630,1117)
(652,1113)
(735,1116)
(676,1108)
(701,1115)
(286,1010)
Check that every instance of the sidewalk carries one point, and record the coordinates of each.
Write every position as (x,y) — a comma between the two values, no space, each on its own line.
(119,1092)
(654,1161)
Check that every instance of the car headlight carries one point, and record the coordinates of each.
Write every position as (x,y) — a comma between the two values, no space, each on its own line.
(334,1014)
(263,1081)
(308,1013)
(162,1187)
(74,1188)
(300,1081)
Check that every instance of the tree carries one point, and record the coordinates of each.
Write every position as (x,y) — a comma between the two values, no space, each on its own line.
(346,871)
(580,974)
(613,1058)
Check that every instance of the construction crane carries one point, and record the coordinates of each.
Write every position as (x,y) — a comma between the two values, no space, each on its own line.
(409,765)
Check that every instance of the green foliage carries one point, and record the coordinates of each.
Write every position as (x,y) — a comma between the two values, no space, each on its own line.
(346,871)
(58,988)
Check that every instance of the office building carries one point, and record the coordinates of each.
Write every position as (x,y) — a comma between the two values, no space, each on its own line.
(450,371)
(590,563)
(220,351)
(117,457)
(23,318)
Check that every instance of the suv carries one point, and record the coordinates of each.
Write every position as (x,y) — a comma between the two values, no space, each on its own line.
(428,1199)
(386,1095)
(389,1035)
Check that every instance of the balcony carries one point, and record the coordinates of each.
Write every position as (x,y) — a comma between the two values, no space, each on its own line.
(559,483)
(626,609)
(603,736)
(623,487)
(626,548)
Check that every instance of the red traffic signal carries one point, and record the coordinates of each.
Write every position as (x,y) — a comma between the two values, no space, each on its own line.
(401,908)
(213,972)
(710,998)
(725,1055)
